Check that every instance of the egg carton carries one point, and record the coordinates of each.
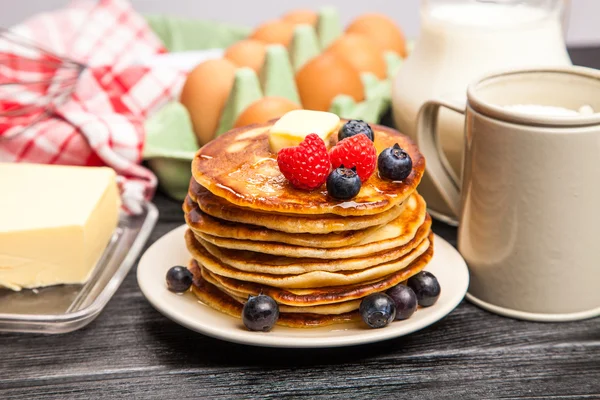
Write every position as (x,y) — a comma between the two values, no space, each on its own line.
(170,141)
(276,77)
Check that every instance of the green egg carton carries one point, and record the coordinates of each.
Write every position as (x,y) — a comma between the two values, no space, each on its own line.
(276,79)
(281,64)
(171,143)
(170,148)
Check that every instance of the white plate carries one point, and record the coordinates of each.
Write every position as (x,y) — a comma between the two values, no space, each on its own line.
(447,265)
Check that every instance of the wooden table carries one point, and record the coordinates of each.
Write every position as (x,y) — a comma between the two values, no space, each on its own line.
(132,351)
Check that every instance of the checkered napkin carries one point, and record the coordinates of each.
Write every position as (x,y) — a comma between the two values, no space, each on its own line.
(80,98)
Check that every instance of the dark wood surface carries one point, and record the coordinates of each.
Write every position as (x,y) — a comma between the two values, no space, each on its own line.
(132,351)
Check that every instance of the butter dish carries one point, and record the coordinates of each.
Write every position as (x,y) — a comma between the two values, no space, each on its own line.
(57,235)
(65,308)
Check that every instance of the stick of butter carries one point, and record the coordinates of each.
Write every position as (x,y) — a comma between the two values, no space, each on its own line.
(294,126)
(55,222)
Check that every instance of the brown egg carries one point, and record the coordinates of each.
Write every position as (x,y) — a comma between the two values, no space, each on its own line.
(247,53)
(274,32)
(297,17)
(265,109)
(204,95)
(381,30)
(323,78)
(360,52)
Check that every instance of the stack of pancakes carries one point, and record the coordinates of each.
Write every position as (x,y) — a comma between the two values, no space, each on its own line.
(250,231)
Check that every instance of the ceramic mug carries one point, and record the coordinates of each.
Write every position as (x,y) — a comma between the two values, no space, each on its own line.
(529,198)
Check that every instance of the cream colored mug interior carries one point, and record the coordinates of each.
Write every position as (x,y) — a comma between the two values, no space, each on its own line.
(569,88)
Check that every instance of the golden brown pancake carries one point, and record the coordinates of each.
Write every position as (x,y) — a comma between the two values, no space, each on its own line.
(313,279)
(335,308)
(220,301)
(200,222)
(389,236)
(240,167)
(281,265)
(220,208)
(318,296)
(251,232)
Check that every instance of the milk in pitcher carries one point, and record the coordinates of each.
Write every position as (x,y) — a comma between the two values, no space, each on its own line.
(461,41)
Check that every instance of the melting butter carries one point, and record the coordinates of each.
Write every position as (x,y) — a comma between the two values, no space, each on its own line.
(293,127)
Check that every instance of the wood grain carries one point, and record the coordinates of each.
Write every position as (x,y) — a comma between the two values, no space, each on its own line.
(131,351)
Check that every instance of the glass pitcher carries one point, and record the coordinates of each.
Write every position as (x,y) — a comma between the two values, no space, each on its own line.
(460,41)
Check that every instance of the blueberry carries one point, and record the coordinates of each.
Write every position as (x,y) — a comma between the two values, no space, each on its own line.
(394,163)
(343,183)
(260,313)
(405,300)
(377,310)
(355,127)
(179,279)
(426,287)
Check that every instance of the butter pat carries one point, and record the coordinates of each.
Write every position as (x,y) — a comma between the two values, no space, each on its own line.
(293,127)
(55,222)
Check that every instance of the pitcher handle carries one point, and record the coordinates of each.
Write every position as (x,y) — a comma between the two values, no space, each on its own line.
(437,165)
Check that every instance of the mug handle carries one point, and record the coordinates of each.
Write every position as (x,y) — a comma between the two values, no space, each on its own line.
(437,165)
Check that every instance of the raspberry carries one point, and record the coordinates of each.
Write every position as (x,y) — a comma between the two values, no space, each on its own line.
(306,166)
(355,151)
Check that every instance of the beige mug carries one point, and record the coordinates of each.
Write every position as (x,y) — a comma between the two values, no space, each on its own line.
(529,197)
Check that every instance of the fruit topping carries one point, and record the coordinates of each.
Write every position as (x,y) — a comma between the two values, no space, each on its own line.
(306,166)
(293,127)
(405,300)
(343,183)
(260,313)
(179,279)
(356,151)
(355,127)
(377,310)
(426,287)
(394,163)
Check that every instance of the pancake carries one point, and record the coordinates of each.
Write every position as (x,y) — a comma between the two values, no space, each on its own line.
(313,279)
(336,308)
(260,263)
(202,223)
(318,296)
(394,234)
(281,265)
(219,208)
(220,301)
(328,309)
(240,168)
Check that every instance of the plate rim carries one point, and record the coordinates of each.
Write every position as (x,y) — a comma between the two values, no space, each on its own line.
(268,339)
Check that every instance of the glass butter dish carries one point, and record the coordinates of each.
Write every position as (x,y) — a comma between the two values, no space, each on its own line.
(65,308)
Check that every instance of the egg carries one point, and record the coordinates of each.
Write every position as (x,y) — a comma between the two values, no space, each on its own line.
(247,53)
(381,30)
(274,32)
(323,78)
(360,52)
(298,17)
(204,94)
(264,110)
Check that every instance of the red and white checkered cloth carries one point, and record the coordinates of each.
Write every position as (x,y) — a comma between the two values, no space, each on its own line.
(102,121)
